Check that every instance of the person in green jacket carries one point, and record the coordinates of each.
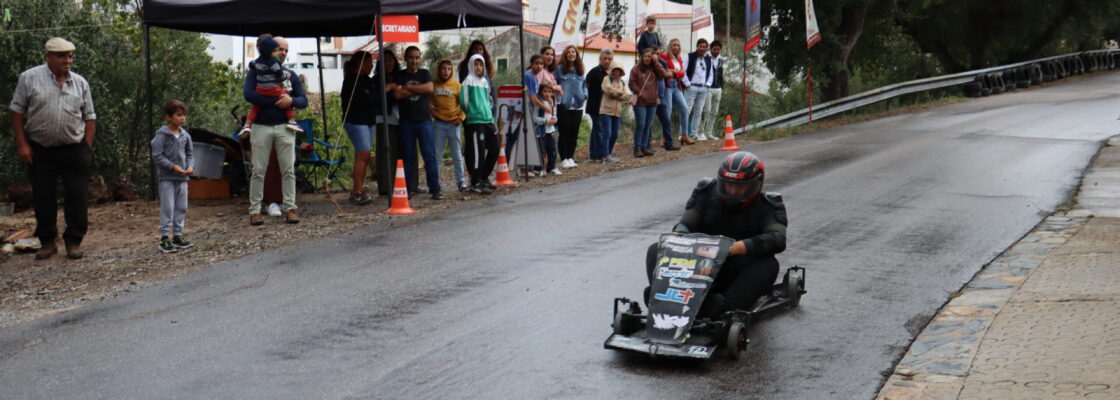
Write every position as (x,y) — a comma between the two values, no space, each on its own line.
(482,136)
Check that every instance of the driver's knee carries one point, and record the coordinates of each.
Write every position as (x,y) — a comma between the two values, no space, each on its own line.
(651,261)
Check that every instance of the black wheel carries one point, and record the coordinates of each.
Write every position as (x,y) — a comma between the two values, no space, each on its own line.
(794,287)
(622,324)
(736,340)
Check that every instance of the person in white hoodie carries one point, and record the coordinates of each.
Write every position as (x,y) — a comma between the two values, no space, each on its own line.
(482,136)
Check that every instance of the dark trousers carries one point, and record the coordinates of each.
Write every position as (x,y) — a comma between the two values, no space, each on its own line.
(741,279)
(568,123)
(72,163)
(548,150)
(393,152)
(666,124)
(481,152)
(413,133)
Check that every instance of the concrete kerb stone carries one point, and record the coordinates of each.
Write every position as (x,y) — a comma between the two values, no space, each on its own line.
(939,359)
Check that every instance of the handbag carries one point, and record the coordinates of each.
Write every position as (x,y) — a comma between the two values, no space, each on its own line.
(634,96)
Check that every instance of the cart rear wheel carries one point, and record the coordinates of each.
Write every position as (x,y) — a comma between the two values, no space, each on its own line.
(736,340)
(794,287)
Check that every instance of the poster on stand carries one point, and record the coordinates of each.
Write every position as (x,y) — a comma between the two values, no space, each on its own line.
(521,153)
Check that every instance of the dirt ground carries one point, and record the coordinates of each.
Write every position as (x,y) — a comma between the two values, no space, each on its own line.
(121,254)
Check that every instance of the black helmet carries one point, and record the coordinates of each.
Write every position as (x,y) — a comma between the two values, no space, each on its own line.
(740,178)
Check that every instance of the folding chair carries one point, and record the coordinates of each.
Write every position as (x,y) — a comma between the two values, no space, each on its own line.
(311,158)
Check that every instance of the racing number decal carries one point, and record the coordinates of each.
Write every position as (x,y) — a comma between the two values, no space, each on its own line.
(676,295)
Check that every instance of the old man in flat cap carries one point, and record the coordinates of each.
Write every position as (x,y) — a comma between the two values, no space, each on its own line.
(54,123)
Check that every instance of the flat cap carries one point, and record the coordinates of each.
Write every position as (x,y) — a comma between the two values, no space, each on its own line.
(58,45)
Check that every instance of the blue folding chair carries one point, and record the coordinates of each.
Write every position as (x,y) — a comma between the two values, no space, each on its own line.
(311,158)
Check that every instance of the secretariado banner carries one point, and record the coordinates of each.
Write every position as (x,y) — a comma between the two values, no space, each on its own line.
(565,30)
(400,28)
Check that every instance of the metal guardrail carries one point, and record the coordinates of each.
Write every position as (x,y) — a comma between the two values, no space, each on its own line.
(977,83)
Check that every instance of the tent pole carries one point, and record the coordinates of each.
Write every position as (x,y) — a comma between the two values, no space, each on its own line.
(384,164)
(322,92)
(153,187)
(525,99)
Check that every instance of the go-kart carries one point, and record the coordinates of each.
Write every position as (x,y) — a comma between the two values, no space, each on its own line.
(676,326)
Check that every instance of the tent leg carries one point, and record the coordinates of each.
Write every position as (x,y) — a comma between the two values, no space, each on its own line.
(322,92)
(384,164)
(153,185)
(525,101)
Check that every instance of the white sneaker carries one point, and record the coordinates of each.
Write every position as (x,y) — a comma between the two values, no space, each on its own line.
(274,210)
(556,171)
(572,162)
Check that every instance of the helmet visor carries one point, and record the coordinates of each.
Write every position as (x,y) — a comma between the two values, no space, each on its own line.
(738,192)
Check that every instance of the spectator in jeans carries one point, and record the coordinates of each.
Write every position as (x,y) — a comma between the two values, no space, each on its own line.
(664,109)
(54,122)
(449,117)
(643,83)
(414,85)
(270,132)
(600,143)
(674,88)
(715,92)
(615,97)
(569,75)
(358,111)
(698,74)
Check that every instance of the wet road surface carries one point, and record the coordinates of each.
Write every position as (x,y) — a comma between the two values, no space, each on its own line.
(511,297)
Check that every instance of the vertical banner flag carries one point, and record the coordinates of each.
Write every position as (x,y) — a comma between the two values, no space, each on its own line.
(596,20)
(702,27)
(565,30)
(812,33)
(641,10)
(754,24)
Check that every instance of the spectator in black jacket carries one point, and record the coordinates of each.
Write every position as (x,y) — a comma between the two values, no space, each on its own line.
(600,147)
(358,115)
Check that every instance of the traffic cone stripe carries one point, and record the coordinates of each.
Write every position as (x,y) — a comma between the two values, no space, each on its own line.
(399,204)
(729,137)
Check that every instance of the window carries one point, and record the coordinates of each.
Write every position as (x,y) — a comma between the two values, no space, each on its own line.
(503,64)
(329,61)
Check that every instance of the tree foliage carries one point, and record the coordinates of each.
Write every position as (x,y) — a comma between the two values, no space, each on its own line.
(109,37)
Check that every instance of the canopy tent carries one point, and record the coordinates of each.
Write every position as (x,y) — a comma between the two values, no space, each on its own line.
(313,18)
(308,18)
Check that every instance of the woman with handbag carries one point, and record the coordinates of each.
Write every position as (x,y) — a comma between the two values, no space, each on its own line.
(643,83)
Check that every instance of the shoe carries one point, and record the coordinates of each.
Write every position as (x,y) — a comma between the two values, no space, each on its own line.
(245,132)
(648,151)
(464,187)
(181,243)
(476,188)
(437,196)
(274,210)
(564,164)
(355,199)
(685,140)
(672,148)
(421,190)
(611,159)
(166,246)
(255,220)
(74,251)
(639,153)
(481,188)
(294,127)
(702,137)
(46,251)
(572,163)
(491,186)
(556,171)
(291,217)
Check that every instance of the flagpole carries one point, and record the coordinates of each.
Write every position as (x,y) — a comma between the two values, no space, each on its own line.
(810,70)
(743,118)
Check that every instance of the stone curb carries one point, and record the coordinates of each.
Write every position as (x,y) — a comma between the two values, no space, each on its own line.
(939,359)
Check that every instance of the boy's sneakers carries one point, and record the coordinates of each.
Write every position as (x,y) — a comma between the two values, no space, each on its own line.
(166,246)
(356,199)
(490,185)
(556,171)
(181,243)
(481,188)
(294,127)
(245,132)
(464,187)
(437,196)
(274,210)
(611,159)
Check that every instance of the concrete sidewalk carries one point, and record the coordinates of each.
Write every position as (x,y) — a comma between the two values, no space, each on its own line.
(1041,321)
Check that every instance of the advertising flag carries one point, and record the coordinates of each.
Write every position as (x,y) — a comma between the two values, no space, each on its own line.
(754,24)
(702,27)
(812,33)
(596,20)
(641,10)
(565,29)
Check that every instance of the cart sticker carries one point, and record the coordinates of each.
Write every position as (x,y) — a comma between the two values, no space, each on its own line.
(683,284)
(679,240)
(707,240)
(665,272)
(675,267)
(676,295)
(678,248)
(701,350)
(708,252)
(663,321)
(706,267)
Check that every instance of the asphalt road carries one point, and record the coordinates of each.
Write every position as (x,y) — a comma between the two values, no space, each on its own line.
(511,297)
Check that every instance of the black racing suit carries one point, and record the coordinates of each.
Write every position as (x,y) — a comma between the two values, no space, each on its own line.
(760,225)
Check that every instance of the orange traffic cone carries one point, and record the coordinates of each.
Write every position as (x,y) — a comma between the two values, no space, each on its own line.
(399,205)
(503,170)
(728,137)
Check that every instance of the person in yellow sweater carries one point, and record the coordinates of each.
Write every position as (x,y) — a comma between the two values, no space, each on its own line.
(448,118)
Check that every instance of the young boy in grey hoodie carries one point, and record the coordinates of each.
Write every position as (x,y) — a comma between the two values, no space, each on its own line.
(172,152)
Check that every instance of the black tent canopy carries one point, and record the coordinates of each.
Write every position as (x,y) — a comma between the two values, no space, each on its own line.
(308,18)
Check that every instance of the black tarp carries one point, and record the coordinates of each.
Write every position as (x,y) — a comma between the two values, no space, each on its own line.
(308,18)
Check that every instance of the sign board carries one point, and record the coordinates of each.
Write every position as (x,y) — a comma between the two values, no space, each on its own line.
(400,28)
(522,153)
